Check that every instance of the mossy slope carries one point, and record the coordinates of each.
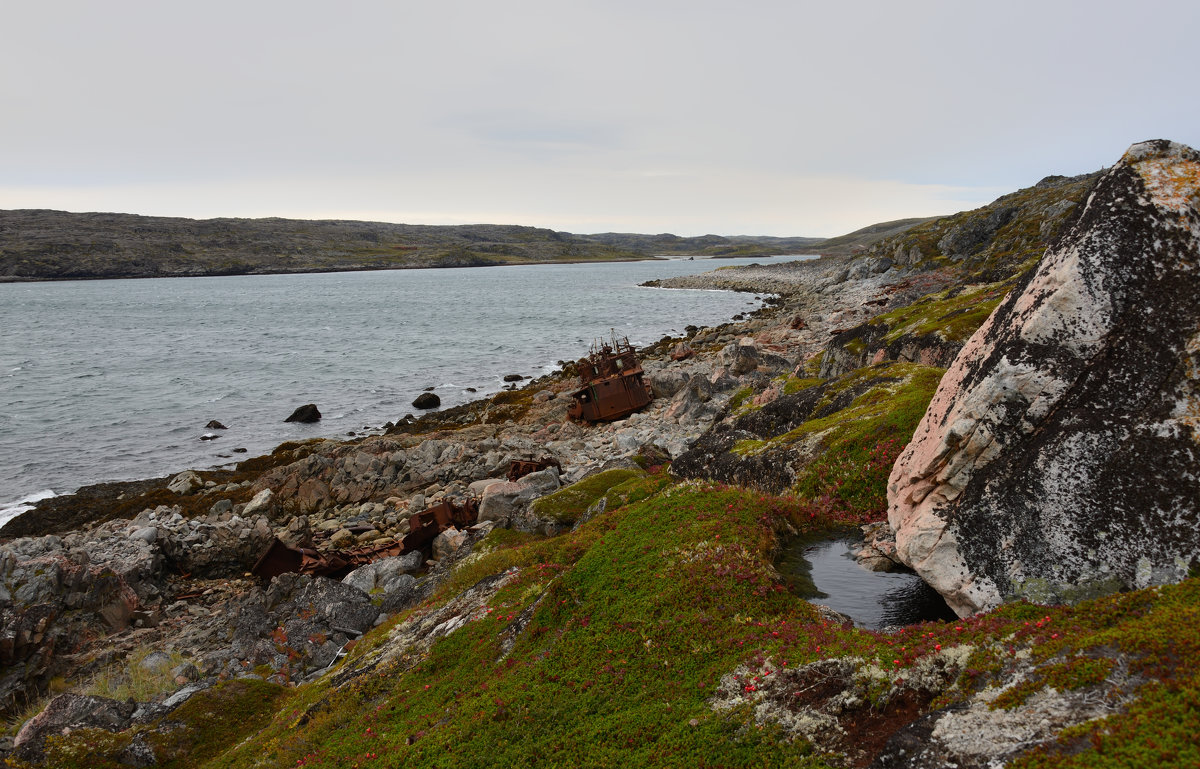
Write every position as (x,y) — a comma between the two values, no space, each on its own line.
(608,645)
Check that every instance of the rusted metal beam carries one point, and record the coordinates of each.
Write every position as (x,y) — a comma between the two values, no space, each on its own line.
(424,527)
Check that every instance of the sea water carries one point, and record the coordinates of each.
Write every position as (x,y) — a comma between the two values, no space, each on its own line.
(116,379)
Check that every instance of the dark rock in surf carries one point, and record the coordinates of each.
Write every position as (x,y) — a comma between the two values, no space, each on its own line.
(215,425)
(306,414)
(427,401)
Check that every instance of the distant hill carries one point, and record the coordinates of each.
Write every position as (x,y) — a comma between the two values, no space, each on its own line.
(38,244)
(862,239)
(49,245)
(706,245)
(57,245)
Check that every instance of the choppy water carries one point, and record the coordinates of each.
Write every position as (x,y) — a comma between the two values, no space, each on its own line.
(116,379)
(826,572)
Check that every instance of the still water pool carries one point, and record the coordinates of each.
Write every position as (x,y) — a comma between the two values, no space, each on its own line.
(825,572)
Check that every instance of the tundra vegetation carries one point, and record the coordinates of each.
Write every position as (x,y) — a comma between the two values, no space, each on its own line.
(658,632)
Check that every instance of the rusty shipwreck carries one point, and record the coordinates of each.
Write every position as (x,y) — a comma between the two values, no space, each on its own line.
(612,383)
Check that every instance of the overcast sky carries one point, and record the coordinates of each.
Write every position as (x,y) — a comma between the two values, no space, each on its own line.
(779,117)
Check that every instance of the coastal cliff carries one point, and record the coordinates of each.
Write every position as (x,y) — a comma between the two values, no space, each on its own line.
(629,608)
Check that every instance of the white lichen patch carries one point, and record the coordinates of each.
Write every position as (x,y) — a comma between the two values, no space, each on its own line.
(982,732)
(807,702)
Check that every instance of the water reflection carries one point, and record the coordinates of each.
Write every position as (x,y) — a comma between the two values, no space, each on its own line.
(826,572)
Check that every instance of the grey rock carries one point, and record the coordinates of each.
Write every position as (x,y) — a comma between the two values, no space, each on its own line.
(68,712)
(148,534)
(476,488)
(186,670)
(1057,460)
(184,694)
(155,662)
(258,504)
(502,501)
(185,483)
(447,542)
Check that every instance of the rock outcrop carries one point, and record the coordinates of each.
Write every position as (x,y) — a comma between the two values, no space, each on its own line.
(306,414)
(1059,457)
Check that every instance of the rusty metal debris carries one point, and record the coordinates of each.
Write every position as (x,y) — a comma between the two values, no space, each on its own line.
(519,468)
(424,527)
(612,383)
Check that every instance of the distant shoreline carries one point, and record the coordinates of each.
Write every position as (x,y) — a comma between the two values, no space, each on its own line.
(375,268)
(40,245)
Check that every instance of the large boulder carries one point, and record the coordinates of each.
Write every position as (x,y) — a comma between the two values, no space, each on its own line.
(447,542)
(65,714)
(427,401)
(185,483)
(505,502)
(385,575)
(298,624)
(217,550)
(1059,457)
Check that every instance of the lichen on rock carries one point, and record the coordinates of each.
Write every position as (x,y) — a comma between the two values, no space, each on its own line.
(1058,458)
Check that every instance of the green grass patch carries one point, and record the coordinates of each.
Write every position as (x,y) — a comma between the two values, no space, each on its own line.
(953,318)
(131,680)
(632,626)
(568,504)
(794,385)
(630,623)
(739,398)
(205,726)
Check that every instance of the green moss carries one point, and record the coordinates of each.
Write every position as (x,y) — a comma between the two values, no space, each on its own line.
(856,446)
(739,398)
(209,723)
(953,317)
(570,503)
(794,385)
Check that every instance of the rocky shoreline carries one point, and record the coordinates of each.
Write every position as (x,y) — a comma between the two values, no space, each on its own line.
(174,553)
(792,418)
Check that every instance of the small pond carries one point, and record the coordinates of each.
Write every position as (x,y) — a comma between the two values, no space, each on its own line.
(824,571)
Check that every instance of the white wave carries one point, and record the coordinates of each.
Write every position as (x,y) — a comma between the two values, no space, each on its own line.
(10,510)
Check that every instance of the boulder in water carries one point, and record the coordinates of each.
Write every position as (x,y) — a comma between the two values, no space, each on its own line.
(306,414)
(427,401)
